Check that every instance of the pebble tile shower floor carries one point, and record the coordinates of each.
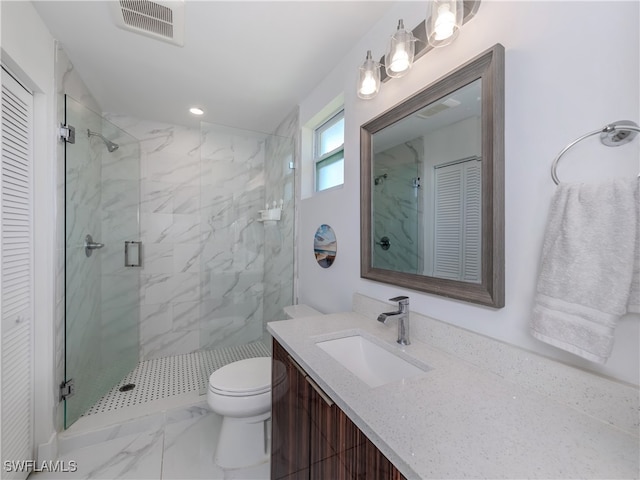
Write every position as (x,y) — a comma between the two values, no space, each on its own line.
(169,376)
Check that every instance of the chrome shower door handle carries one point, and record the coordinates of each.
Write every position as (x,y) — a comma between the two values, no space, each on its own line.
(90,245)
(132,253)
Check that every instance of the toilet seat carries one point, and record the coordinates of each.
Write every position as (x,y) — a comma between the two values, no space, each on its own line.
(248,377)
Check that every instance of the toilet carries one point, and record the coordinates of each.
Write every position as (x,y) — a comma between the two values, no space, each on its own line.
(299,311)
(241,393)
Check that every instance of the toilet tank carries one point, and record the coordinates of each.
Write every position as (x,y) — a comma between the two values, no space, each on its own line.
(299,311)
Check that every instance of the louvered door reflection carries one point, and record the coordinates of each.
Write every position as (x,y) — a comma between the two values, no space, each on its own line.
(458,221)
(16,403)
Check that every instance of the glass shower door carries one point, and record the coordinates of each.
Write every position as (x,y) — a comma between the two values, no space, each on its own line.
(102,294)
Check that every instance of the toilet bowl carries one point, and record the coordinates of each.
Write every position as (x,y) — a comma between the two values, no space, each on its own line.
(241,393)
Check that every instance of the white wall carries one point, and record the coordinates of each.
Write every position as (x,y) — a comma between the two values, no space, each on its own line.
(571,67)
(28,50)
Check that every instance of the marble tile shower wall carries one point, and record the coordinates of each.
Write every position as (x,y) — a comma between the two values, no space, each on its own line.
(279,239)
(398,206)
(232,262)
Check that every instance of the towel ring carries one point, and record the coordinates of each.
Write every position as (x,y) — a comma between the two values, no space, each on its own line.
(612,135)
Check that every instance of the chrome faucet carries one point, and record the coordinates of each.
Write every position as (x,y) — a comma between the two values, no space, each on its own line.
(403,319)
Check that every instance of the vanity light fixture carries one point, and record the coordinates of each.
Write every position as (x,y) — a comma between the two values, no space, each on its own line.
(369,78)
(444,19)
(399,58)
(196,111)
(441,27)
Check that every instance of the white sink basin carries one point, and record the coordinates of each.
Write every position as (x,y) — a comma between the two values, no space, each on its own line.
(369,362)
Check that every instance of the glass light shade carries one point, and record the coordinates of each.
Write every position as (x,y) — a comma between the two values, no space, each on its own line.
(399,58)
(369,78)
(444,19)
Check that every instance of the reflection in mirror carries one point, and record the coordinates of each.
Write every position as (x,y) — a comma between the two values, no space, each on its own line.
(432,190)
(325,246)
(426,196)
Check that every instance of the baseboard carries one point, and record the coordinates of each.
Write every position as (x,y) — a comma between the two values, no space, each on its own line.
(48,451)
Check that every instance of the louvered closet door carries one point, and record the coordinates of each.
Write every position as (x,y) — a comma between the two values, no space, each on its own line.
(458,222)
(16,271)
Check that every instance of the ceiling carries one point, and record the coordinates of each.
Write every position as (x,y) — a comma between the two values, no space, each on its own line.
(246,63)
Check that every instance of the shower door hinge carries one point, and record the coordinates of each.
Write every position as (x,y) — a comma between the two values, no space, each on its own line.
(67,389)
(68,133)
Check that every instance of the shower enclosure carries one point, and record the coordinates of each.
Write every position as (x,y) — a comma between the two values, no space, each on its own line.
(102,293)
(212,272)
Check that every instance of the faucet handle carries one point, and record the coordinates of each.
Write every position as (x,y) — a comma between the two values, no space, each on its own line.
(402,299)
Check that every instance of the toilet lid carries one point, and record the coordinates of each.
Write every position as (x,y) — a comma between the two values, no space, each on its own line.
(245,377)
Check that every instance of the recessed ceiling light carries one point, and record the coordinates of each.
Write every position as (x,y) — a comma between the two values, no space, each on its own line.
(196,111)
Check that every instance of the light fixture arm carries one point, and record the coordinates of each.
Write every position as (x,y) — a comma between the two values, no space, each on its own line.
(420,34)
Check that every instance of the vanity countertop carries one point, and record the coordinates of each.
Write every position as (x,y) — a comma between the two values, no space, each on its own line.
(457,420)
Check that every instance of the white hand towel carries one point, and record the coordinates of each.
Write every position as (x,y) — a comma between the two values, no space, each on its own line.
(588,261)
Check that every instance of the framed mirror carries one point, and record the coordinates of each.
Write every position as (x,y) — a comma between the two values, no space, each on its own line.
(432,187)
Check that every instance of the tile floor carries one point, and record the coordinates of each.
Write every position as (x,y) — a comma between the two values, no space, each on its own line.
(163,429)
(175,444)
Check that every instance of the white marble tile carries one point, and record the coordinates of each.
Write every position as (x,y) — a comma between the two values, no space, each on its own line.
(120,291)
(136,456)
(83,433)
(189,447)
(156,227)
(170,343)
(123,164)
(232,330)
(155,320)
(161,441)
(257,472)
(157,258)
(186,199)
(186,315)
(170,166)
(120,195)
(185,287)
(187,257)
(155,289)
(119,336)
(185,228)
(156,197)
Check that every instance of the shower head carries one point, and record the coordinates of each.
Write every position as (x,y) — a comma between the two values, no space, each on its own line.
(111,146)
(379,179)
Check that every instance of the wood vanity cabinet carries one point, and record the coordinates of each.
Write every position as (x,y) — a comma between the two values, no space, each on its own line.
(312,438)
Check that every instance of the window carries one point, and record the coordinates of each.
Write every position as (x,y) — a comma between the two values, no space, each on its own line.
(328,155)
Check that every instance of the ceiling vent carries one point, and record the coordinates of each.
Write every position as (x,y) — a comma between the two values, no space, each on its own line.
(431,110)
(162,20)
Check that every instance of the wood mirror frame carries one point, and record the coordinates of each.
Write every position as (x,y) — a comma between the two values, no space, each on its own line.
(489,67)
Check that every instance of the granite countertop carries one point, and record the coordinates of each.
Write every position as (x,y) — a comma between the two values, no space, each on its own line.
(457,420)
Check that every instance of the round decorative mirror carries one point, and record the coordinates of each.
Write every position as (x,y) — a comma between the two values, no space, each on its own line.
(325,246)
